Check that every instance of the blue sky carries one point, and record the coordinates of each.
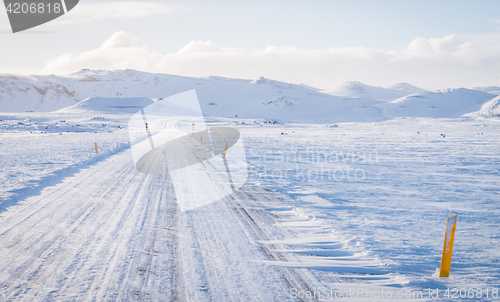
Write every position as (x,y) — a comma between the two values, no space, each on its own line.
(323,24)
(319,43)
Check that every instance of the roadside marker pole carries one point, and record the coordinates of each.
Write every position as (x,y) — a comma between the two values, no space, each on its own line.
(225,150)
(95,145)
(449,237)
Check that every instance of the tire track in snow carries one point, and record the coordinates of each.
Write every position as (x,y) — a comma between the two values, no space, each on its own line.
(211,239)
(91,233)
(59,226)
(109,233)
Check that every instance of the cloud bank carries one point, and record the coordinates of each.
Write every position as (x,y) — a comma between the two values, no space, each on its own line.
(429,63)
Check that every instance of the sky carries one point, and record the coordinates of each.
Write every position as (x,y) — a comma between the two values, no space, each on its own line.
(430,44)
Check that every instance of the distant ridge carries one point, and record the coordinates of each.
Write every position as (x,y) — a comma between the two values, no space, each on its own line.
(126,91)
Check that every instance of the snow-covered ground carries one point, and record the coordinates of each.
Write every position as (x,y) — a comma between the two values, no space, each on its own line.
(36,148)
(392,185)
(354,205)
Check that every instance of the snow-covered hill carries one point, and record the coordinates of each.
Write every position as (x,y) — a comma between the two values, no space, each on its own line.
(410,89)
(109,105)
(447,103)
(36,93)
(358,89)
(125,91)
(261,98)
(490,89)
(489,109)
(492,82)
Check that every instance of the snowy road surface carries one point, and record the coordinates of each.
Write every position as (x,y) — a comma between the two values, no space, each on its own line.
(111,233)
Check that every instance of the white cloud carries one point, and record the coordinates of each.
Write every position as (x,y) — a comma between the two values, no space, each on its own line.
(120,51)
(430,63)
(118,10)
(124,40)
(433,46)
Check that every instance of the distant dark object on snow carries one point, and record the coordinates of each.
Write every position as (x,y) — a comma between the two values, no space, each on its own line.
(418,133)
(443,135)
(271,122)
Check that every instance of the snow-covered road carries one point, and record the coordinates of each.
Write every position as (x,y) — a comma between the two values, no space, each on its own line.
(110,233)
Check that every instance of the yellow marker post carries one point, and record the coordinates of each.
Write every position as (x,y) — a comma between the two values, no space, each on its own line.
(225,150)
(201,139)
(96,151)
(449,237)
(193,130)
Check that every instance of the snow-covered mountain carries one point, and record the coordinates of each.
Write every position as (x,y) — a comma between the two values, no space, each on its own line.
(128,90)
